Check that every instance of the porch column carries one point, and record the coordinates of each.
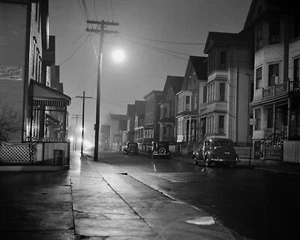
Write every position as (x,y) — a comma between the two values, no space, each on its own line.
(274,118)
(64,124)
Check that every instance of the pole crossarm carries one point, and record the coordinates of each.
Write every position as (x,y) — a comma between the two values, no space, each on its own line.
(100,31)
(103,22)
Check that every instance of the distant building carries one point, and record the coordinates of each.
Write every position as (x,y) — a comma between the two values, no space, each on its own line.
(187,104)
(139,121)
(104,137)
(118,125)
(151,128)
(167,118)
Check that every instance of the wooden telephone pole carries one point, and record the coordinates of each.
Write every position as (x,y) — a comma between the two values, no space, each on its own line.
(101,29)
(76,116)
(82,122)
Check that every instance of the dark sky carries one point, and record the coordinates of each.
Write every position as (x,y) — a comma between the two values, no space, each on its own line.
(148,31)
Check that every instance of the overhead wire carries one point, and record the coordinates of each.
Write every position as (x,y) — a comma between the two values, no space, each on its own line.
(85,9)
(74,52)
(161,50)
(161,41)
(82,11)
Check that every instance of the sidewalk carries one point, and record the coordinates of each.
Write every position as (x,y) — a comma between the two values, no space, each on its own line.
(94,200)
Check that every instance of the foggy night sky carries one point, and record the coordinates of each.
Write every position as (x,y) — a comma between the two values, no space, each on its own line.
(145,67)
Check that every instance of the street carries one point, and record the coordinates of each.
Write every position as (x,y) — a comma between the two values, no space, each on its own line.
(254,203)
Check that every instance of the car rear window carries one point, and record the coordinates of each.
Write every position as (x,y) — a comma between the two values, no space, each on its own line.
(222,143)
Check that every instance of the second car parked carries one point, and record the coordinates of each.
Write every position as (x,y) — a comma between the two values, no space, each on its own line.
(216,151)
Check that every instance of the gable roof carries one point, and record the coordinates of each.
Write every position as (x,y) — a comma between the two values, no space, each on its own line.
(260,8)
(174,82)
(225,39)
(200,66)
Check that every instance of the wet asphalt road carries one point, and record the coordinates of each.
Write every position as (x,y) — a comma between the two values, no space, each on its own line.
(254,203)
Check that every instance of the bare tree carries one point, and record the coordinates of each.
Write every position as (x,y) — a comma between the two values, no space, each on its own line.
(10,122)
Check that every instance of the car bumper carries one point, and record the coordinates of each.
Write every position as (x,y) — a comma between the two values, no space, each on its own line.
(224,160)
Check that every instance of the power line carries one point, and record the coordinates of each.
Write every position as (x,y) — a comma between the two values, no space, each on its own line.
(85,9)
(74,52)
(161,41)
(82,12)
(161,50)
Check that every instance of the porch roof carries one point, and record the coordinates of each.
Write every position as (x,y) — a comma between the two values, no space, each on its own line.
(47,96)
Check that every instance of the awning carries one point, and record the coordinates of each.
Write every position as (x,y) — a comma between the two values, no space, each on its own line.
(46,96)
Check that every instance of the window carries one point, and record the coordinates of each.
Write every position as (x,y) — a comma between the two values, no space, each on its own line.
(187,102)
(274,36)
(222,91)
(259,78)
(204,94)
(259,38)
(296,69)
(273,74)
(195,101)
(211,61)
(223,60)
(221,125)
(297,26)
(258,119)
(270,118)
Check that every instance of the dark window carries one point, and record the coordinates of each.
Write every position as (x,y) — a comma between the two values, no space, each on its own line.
(259,38)
(222,91)
(274,32)
(296,70)
(223,60)
(187,103)
(273,74)
(258,119)
(258,78)
(270,118)
(205,94)
(221,124)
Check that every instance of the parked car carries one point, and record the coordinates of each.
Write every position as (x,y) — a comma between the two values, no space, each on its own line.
(159,149)
(131,147)
(216,151)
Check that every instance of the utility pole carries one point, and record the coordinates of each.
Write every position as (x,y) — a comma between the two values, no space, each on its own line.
(76,116)
(101,29)
(82,122)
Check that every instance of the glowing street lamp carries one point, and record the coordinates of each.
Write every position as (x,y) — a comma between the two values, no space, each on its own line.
(118,55)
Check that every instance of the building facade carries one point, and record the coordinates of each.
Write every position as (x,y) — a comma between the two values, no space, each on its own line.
(151,126)
(187,104)
(167,123)
(27,87)
(226,96)
(276,28)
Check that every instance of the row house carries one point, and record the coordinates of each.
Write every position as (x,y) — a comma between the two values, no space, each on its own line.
(276,28)
(118,128)
(29,78)
(129,133)
(187,104)
(152,110)
(139,121)
(167,117)
(224,105)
